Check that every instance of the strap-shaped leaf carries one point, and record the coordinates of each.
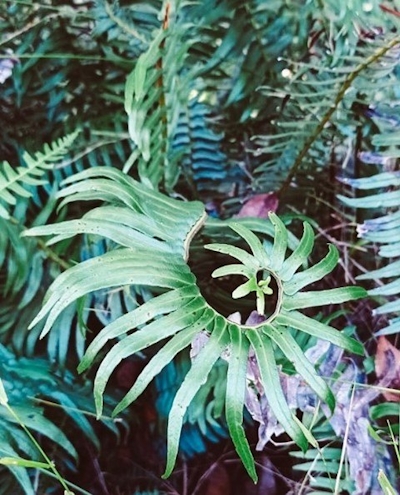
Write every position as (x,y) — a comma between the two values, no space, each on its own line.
(95,189)
(297,320)
(119,233)
(313,274)
(142,339)
(117,268)
(381,200)
(113,186)
(386,290)
(390,307)
(240,254)
(295,355)
(195,378)
(264,351)
(300,255)
(323,297)
(159,305)
(162,358)
(234,269)
(235,395)
(280,242)
(254,243)
(391,270)
(385,179)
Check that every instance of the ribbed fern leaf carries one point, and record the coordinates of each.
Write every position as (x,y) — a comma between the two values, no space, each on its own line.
(155,92)
(152,234)
(12,180)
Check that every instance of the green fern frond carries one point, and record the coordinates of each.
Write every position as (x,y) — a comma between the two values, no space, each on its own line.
(152,234)
(384,231)
(319,105)
(155,93)
(32,174)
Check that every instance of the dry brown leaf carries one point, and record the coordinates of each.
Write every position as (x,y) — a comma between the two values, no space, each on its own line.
(387,367)
(259,206)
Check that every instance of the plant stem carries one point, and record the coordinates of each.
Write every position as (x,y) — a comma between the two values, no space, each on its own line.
(42,245)
(39,448)
(326,118)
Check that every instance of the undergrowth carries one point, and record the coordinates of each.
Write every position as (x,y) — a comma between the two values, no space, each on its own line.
(171,174)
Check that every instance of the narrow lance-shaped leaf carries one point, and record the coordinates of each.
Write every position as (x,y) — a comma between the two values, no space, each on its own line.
(299,255)
(280,242)
(119,233)
(391,270)
(323,297)
(254,243)
(264,351)
(381,200)
(235,395)
(317,329)
(116,268)
(162,358)
(313,274)
(243,256)
(234,269)
(159,305)
(143,338)
(306,370)
(195,378)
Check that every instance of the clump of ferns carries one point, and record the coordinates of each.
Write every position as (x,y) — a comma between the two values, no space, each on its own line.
(152,234)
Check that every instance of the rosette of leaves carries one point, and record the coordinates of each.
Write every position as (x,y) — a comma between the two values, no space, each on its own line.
(151,234)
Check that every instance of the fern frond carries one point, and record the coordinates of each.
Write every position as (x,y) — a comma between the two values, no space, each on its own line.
(156,91)
(32,174)
(167,226)
(382,195)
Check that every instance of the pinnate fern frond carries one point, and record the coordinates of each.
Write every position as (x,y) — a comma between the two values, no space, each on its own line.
(152,234)
(32,174)
(385,232)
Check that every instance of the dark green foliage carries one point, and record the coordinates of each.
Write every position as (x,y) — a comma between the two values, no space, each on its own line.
(149,115)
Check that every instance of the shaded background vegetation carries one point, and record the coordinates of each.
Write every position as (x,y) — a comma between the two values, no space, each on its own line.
(270,105)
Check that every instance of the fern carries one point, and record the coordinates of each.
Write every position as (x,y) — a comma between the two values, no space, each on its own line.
(381,193)
(28,383)
(154,94)
(204,419)
(321,100)
(154,234)
(31,174)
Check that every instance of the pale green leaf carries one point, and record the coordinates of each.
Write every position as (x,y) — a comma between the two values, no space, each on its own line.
(264,351)
(254,243)
(187,316)
(300,255)
(234,269)
(235,395)
(304,368)
(194,379)
(313,274)
(280,242)
(323,297)
(162,358)
(297,320)
(243,256)
(157,306)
